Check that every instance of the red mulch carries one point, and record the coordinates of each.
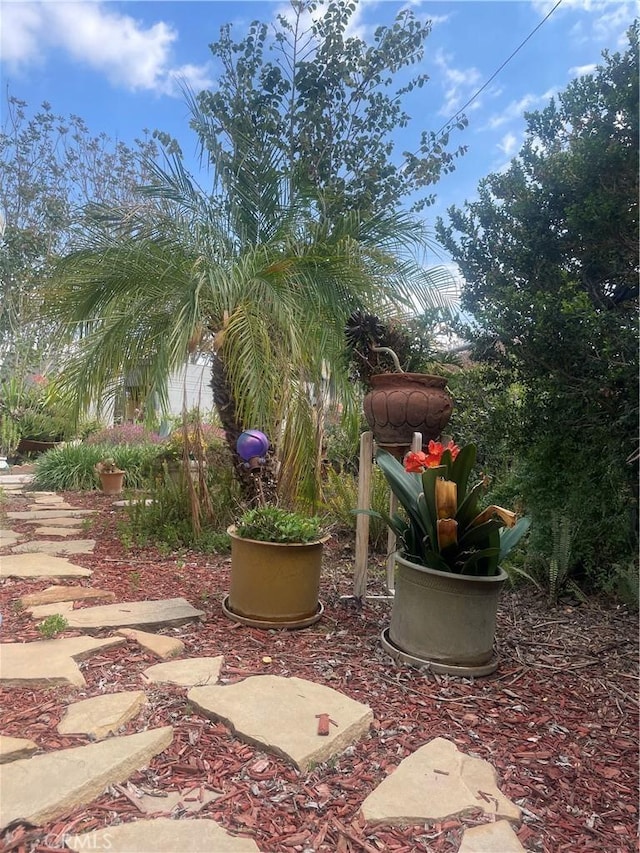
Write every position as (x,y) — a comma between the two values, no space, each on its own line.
(558,720)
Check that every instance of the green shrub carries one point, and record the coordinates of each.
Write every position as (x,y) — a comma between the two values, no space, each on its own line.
(487,413)
(592,491)
(9,435)
(38,408)
(624,582)
(341,444)
(72,466)
(340,500)
(168,520)
(550,457)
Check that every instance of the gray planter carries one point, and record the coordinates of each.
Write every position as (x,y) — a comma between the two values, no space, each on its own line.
(444,620)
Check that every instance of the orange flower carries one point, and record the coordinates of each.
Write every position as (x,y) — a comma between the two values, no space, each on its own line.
(436,449)
(415,463)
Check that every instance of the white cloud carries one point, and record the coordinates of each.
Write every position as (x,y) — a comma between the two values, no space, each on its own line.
(425,14)
(516,109)
(458,83)
(604,22)
(582,70)
(129,54)
(20,33)
(194,77)
(508,144)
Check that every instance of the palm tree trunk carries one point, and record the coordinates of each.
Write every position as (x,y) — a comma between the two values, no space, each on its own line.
(256,488)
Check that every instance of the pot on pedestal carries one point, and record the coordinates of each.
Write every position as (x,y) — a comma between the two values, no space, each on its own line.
(400,404)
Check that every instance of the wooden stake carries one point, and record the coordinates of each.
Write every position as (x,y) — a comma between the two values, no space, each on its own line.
(362,520)
(416,446)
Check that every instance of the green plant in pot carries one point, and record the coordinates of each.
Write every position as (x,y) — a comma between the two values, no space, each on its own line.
(111,477)
(448,574)
(276,562)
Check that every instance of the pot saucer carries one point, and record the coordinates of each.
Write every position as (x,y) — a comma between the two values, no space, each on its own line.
(439,668)
(270,624)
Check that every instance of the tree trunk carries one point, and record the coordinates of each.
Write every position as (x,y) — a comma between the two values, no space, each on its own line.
(256,488)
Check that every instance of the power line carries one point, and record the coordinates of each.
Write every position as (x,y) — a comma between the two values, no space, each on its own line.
(498,70)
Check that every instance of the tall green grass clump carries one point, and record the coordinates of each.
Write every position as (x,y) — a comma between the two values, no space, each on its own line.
(184,514)
(72,466)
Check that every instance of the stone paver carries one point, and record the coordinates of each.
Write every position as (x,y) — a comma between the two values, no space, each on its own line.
(35,565)
(16,479)
(134,502)
(52,594)
(49,504)
(47,498)
(9,537)
(46,546)
(47,662)
(41,611)
(188,672)
(15,748)
(101,715)
(41,788)
(58,531)
(451,783)
(280,715)
(163,835)
(47,514)
(134,614)
(55,521)
(495,837)
(158,644)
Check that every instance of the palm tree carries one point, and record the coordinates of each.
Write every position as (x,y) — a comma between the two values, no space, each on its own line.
(250,274)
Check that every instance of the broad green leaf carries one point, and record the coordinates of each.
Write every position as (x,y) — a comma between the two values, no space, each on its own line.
(509,537)
(480,535)
(406,487)
(435,561)
(461,469)
(475,565)
(468,509)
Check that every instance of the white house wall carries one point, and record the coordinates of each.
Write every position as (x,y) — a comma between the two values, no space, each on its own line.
(194,380)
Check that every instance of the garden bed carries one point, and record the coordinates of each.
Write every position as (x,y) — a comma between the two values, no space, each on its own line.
(558,720)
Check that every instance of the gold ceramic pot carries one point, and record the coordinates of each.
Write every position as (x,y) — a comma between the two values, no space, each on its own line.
(274,583)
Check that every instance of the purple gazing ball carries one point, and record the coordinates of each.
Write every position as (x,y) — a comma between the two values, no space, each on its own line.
(252,443)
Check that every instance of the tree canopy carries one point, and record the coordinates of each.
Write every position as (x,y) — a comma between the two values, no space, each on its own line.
(300,226)
(549,257)
(51,166)
(328,104)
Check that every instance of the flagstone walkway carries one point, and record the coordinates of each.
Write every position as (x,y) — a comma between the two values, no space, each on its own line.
(276,714)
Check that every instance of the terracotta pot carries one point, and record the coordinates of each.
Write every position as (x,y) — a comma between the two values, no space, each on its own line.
(400,404)
(274,583)
(445,620)
(111,482)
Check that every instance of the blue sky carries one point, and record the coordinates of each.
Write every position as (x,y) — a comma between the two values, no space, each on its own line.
(117,64)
